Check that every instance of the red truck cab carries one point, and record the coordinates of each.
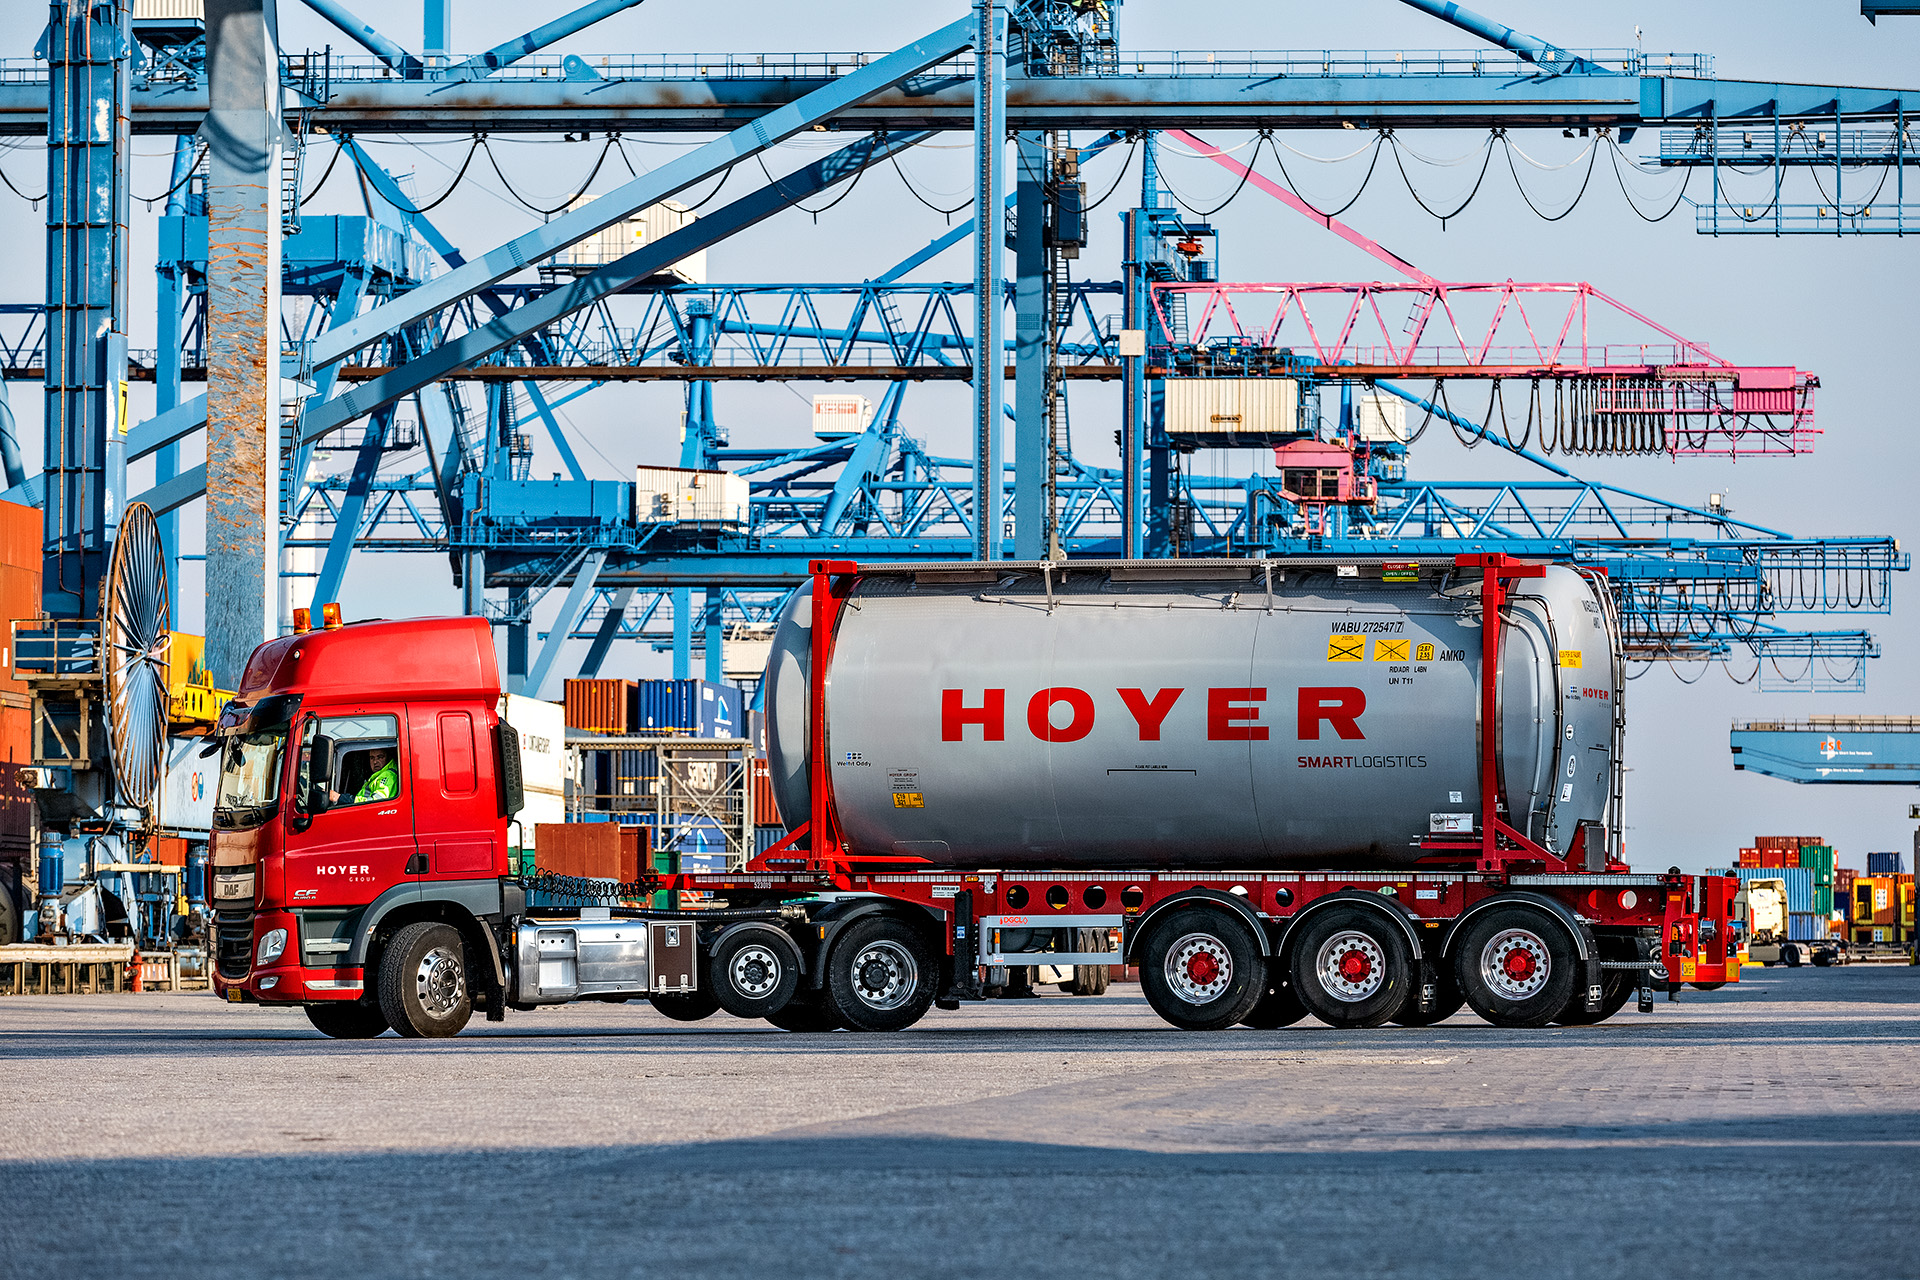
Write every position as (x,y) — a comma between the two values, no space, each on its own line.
(361,820)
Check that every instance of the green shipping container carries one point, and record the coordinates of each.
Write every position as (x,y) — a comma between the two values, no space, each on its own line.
(1823,900)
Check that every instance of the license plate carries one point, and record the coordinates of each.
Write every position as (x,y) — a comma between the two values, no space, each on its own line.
(235,995)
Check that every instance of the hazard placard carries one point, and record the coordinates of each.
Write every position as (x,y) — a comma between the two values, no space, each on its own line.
(1346,648)
(1570,658)
(1385,650)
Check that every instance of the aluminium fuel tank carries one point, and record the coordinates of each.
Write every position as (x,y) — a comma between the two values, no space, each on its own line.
(1198,714)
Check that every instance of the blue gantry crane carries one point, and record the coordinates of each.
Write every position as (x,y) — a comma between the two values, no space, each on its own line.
(416,372)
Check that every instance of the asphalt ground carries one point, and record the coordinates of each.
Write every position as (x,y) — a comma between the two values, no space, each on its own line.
(1769,1128)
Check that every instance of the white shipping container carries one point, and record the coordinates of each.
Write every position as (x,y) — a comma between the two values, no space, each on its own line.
(1379,418)
(744,651)
(1232,406)
(542,727)
(675,495)
(169,10)
(837,416)
(185,802)
(610,244)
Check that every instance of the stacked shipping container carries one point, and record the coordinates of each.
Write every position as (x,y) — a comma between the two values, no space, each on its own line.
(656,708)
(1804,924)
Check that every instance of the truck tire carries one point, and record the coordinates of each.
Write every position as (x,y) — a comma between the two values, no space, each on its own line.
(423,981)
(1791,954)
(807,1011)
(754,972)
(347,1019)
(685,1006)
(880,975)
(1448,1001)
(1616,988)
(1201,970)
(1277,1006)
(1517,967)
(1351,968)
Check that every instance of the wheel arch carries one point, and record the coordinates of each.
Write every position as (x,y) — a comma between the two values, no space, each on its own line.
(1389,908)
(758,926)
(1212,897)
(1585,946)
(825,925)
(459,903)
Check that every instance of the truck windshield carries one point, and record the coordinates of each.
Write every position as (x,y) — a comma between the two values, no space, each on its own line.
(250,778)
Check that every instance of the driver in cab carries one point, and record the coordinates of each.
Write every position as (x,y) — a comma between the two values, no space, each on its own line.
(383,779)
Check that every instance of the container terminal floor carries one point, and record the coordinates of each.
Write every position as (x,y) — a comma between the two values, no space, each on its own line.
(174,1135)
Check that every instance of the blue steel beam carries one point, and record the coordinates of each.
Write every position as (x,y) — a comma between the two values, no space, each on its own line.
(989,268)
(1880,750)
(88,151)
(347,521)
(1548,57)
(485,64)
(774,127)
(571,610)
(404,64)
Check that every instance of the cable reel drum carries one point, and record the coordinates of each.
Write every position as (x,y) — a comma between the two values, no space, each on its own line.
(135,635)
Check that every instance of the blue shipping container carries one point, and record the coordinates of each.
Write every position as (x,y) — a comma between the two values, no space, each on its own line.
(764,838)
(695,708)
(1886,864)
(1805,926)
(1799,882)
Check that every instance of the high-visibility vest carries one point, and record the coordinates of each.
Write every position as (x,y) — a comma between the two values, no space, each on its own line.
(383,785)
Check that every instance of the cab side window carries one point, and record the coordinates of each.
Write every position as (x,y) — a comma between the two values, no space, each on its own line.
(366,759)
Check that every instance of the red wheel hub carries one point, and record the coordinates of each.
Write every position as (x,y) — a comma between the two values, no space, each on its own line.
(1202,969)
(1520,965)
(1354,966)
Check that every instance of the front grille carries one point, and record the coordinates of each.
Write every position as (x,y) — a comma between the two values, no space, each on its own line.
(233,939)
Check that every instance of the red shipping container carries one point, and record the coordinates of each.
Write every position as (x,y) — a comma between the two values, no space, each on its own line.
(1771,858)
(765,812)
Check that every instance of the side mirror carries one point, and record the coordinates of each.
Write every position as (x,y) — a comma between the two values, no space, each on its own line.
(319,772)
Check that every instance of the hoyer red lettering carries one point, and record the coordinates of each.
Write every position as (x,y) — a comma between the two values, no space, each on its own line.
(1232,714)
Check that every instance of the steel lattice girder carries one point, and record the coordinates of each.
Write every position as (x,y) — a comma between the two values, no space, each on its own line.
(944,100)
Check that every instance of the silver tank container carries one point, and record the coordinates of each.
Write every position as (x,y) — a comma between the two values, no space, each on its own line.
(1197,714)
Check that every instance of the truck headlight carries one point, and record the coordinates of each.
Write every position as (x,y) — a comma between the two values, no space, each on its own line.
(272,943)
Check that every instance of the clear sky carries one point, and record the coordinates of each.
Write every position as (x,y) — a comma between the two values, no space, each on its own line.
(1842,308)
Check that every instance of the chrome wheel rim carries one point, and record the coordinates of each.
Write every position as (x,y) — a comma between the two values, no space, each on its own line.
(1199,968)
(885,976)
(439,981)
(754,971)
(1515,964)
(1351,966)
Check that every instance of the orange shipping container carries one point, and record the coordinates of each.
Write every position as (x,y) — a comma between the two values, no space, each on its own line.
(599,706)
(22,530)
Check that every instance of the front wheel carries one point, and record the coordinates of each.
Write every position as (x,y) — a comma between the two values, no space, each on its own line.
(1352,968)
(1202,970)
(1517,967)
(880,975)
(754,972)
(347,1019)
(423,981)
